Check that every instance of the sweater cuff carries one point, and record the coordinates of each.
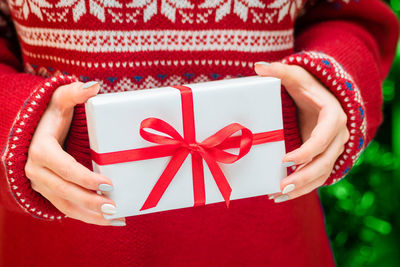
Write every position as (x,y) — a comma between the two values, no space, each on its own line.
(16,150)
(334,77)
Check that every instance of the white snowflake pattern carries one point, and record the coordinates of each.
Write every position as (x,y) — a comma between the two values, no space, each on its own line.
(223,7)
(286,7)
(173,10)
(96,7)
(149,8)
(24,7)
(168,7)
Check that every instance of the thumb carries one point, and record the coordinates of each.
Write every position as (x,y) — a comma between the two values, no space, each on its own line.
(68,96)
(277,70)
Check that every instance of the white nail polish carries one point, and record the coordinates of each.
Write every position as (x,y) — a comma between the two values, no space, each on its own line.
(288,164)
(262,63)
(271,197)
(108,208)
(281,198)
(105,187)
(288,188)
(117,223)
(89,84)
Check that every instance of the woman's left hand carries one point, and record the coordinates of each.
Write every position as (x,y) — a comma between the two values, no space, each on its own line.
(323,130)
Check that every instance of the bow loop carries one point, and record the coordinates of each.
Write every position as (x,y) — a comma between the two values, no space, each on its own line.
(216,143)
(161,127)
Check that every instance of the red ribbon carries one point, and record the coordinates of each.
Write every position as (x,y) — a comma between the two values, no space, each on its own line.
(211,150)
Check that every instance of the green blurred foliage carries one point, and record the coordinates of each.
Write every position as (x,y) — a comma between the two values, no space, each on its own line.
(363,211)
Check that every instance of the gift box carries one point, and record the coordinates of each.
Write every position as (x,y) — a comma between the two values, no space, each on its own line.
(183,146)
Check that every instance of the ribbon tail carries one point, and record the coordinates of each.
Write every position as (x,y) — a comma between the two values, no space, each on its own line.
(198,180)
(219,178)
(165,179)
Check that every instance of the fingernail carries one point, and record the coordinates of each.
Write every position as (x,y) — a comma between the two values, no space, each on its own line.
(117,223)
(288,188)
(262,63)
(271,197)
(105,187)
(288,164)
(89,84)
(108,208)
(281,198)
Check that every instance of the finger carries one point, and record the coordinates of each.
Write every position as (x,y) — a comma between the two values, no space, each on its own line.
(71,192)
(292,77)
(56,119)
(79,213)
(61,108)
(330,122)
(304,88)
(64,165)
(68,96)
(320,166)
(314,184)
(294,168)
(274,195)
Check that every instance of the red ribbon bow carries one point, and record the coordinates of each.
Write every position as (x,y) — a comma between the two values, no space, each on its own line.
(211,150)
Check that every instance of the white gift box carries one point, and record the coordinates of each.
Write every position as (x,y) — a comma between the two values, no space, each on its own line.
(114,120)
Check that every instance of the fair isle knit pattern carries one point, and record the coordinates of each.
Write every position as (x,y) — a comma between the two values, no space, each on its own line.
(142,11)
(157,34)
(134,45)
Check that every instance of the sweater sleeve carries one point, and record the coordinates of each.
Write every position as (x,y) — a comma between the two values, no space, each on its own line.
(349,46)
(23,99)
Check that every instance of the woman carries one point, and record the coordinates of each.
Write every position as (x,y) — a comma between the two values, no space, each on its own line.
(332,72)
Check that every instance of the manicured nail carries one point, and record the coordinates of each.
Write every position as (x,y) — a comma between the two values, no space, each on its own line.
(262,63)
(288,164)
(117,223)
(105,187)
(108,208)
(281,198)
(89,84)
(288,188)
(271,197)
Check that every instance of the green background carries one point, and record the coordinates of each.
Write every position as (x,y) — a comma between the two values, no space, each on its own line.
(363,211)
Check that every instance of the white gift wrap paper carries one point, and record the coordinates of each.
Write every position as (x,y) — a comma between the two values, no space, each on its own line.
(114,119)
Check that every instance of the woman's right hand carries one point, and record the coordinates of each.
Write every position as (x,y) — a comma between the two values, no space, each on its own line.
(55,174)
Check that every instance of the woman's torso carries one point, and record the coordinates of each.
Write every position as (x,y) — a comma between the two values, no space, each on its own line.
(129,45)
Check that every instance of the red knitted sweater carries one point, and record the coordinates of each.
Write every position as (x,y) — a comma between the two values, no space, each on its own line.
(127,45)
